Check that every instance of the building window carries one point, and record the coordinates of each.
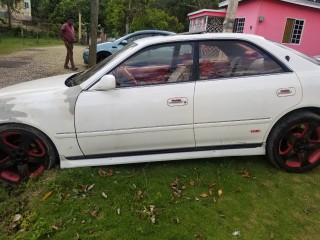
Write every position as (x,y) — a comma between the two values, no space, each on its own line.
(293,31)
(26,5)
(238,25)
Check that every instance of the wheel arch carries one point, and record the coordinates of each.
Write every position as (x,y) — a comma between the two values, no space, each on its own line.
(315,110)
(37,129)
(104,51)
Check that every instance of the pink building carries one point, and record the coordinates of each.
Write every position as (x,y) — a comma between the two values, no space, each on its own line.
(294,23)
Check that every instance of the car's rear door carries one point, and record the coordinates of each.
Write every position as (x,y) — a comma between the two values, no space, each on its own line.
(240,90)
(141,115)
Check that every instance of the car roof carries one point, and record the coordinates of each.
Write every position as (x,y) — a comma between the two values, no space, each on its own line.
(151,31)
(197,37)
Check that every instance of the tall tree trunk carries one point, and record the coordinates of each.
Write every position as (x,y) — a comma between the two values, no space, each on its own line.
(94,10)
(9,14)
(128,17)
(231,15)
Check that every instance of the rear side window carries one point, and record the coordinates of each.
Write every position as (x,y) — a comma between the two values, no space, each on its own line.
(232,59)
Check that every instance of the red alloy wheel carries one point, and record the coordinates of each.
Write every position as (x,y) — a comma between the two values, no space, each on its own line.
(22,155)
(300,146)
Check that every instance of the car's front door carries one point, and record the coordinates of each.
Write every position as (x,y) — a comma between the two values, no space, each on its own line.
(146,112)
(241,89)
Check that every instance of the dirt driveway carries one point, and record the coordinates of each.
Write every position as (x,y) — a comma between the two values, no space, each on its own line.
(35,63)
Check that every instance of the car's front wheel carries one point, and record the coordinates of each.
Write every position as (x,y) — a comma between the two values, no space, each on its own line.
(24,152)
(294,143)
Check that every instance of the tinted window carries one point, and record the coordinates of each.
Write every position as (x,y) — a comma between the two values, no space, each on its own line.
(233,58)
(155,65)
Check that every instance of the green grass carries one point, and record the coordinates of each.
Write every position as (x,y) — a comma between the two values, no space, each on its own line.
(269,204)
(10,44)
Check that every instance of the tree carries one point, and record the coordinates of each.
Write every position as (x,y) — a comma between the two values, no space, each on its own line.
(10,8)
(154,18)
(181,9)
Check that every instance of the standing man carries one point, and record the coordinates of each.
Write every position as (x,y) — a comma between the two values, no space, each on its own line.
(67,34)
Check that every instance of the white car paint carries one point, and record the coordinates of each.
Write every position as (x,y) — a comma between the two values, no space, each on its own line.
(137,119)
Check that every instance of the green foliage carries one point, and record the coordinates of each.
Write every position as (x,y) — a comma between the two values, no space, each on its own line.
(122,16)
(168,200)
(156,19)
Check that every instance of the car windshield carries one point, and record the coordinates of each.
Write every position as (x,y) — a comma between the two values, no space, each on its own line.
(80,78)
(311,59)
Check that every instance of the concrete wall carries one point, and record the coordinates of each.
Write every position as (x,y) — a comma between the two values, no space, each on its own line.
(275,14)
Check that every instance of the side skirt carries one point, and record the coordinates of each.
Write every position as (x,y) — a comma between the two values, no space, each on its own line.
(155,157)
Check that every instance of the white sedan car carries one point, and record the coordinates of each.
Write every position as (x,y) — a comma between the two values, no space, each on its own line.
(168,98)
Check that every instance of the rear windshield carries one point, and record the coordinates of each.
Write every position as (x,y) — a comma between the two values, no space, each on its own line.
(310,59)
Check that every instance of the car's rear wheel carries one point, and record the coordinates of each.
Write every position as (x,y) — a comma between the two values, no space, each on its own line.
(294,143)
(25,153)
(102,55)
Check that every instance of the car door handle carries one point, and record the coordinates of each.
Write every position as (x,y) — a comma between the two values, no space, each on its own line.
(285,92)
(178,101)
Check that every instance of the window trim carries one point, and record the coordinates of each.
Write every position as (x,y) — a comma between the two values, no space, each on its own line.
(236,24)
(285,68)
(192,79)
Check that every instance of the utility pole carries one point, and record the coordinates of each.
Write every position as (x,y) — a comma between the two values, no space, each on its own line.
(231,15)
(94,11)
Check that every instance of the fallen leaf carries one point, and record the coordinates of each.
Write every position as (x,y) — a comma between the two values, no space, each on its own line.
(203,195)
(177,220)
(212,185)
(219,192)
(139,195)
(90,187)
(214,200)
(118,211)
(192,182)
(94,213)
(46,196)
(153,220)
(102,172)
(16,217)
(55,227)
(104,195)
(78,236)
(236,234)
(110,172)
(183,187)
(246,174)
(271,236)
(211,191)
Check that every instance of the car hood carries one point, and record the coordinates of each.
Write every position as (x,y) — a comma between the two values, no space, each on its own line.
(41,85)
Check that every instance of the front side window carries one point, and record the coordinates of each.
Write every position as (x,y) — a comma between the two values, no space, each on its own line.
(293,31)
(219,59)
(156,65)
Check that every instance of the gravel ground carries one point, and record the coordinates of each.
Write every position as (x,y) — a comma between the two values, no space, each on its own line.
(35,63)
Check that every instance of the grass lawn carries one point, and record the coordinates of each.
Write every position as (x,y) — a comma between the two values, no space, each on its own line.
(122,202)
(14,44)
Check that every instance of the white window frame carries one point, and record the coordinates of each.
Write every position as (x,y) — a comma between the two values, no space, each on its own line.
(292,38)
(239,24)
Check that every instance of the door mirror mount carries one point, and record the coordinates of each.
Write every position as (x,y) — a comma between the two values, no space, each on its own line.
(107,82)
(124,42)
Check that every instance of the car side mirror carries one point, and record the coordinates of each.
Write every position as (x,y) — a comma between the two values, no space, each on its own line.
(107,82)
(124,42)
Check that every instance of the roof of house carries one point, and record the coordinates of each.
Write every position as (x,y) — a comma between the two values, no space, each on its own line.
(305,3)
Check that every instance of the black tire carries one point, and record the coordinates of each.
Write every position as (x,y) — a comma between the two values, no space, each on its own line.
(102,55)
(294,142)
(25,152)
